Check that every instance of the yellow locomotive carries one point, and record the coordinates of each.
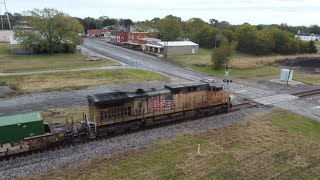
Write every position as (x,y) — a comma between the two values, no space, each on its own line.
(118,111)
(114,112)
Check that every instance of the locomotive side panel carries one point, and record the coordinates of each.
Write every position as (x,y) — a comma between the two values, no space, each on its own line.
(112,114)
(119,107)
(218,97)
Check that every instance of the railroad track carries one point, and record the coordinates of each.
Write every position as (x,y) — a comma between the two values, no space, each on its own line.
(237,107)
(309,93)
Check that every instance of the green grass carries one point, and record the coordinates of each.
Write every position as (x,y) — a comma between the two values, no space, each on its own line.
(307,78)
(23,63)
(273,145)
(297,124)
(75,79)
(262,72)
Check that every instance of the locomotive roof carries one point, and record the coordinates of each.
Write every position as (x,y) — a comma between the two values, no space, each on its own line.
(118,97)
(123,96)
(186,85)
(108,96)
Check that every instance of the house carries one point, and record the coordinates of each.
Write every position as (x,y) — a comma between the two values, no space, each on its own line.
(308,36)
(173,47)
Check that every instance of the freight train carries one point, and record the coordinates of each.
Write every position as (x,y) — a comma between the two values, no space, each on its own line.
(114,112)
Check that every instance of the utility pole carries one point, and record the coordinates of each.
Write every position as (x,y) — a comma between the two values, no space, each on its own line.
(3,2)
(165,49)
(289,72)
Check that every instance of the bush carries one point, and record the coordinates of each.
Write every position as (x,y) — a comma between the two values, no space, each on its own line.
(221,55)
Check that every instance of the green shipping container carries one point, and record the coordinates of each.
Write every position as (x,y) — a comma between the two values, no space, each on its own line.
(17,127)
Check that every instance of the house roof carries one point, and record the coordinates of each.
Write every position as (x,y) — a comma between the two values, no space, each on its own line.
(308,34)
(177,43)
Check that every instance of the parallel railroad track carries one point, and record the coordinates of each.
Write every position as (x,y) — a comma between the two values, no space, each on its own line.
(307,93)
(237,107)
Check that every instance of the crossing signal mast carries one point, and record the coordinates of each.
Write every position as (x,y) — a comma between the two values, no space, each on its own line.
(3,3)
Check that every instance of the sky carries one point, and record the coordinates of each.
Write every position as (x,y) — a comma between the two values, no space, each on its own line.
(291,12)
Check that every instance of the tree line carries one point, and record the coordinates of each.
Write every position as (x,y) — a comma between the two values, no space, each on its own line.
(252,39)
(258,40)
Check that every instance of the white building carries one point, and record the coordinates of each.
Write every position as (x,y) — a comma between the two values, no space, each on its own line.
(308,36)
(173,47)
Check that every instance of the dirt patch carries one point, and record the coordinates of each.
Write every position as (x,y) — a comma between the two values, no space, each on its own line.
(307,64)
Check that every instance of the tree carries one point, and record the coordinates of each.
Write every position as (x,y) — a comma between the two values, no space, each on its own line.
(265,42)
(194,24)
(247,37)
(213,22)
(170,28)
(312,47)
(53,31)
(205,37)
(109,21)
(125,22)
(222,55)
(89,23)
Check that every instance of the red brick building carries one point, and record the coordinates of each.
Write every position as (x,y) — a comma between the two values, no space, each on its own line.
(135,37)
(120,37)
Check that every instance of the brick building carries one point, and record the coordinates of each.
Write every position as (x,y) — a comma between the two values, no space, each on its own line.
(118,37)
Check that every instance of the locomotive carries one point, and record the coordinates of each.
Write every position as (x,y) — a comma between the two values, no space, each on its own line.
(120,111)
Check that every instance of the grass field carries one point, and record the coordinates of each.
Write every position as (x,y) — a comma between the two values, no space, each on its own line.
(75,79)
(244,65)
(62,115)
(10,63)
(318,46)
(273,145)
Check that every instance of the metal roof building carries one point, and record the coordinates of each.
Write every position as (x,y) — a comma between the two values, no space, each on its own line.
(173,47)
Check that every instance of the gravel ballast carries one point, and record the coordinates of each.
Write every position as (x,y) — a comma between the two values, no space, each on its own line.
(81,153)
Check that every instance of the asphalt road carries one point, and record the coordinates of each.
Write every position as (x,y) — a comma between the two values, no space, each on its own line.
(141,60)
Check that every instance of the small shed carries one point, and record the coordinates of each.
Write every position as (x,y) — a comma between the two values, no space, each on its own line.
(17,127)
